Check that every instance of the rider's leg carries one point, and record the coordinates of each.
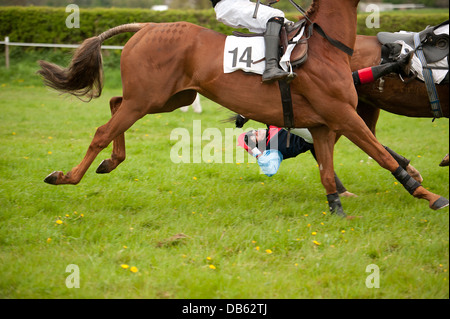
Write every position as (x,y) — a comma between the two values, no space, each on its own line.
(272,39)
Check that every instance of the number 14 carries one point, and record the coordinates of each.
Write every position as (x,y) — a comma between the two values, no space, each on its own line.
(246,57)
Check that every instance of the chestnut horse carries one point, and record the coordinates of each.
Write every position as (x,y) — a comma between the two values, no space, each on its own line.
(394,96)
(164,65)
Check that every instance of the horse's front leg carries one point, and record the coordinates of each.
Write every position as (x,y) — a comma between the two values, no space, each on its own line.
(121,121)
(118,153)
(324,140)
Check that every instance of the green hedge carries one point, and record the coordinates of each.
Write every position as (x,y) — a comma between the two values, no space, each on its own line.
(398,20)
(47,25)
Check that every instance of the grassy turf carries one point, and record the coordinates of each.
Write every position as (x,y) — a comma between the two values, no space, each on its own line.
(245,235)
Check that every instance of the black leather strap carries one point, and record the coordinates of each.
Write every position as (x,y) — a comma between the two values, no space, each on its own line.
(334,42)
(214,2)
(286,100)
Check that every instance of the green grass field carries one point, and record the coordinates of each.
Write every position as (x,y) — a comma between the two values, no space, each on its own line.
(244,235)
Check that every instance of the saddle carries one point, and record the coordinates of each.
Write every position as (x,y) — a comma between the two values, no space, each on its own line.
(429,47)
(288,33)
(435,47)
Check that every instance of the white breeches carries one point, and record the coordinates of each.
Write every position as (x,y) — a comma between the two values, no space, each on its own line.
(239,14)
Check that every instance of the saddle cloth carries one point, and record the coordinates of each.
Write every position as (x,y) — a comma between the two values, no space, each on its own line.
(247,54)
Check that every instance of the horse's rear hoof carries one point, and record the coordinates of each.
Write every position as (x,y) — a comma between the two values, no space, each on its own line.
(103,168)
(445,161)
(52,178)
(440,203)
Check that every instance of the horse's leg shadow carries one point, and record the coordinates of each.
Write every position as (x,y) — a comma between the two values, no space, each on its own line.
(118,152)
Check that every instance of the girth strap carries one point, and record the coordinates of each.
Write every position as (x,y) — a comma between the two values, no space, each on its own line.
(429,81)
(286,100)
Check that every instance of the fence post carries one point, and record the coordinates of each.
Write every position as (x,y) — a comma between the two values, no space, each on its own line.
(7,52)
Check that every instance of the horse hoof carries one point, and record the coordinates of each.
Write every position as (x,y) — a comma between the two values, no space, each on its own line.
(52,178)
(440,203)
(445,161)
(353,217)
(414,173)
(103,168)
(347,194)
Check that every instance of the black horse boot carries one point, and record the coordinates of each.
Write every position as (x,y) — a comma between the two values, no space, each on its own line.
(272,39)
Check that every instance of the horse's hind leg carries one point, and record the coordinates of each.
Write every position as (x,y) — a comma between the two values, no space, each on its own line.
(122,120)
(118,152)
(360,134)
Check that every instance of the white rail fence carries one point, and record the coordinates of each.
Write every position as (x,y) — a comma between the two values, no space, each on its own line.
(7,44)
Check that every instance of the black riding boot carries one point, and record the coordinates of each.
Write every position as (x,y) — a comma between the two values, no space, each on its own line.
(272,39)
(402,66)
(368,75)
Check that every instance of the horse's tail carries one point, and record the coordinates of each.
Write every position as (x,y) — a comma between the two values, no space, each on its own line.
(84,75)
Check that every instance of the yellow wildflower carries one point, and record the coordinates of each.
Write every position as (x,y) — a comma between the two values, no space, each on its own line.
(212,267)
(316,243)
(124,266)
(134,269)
